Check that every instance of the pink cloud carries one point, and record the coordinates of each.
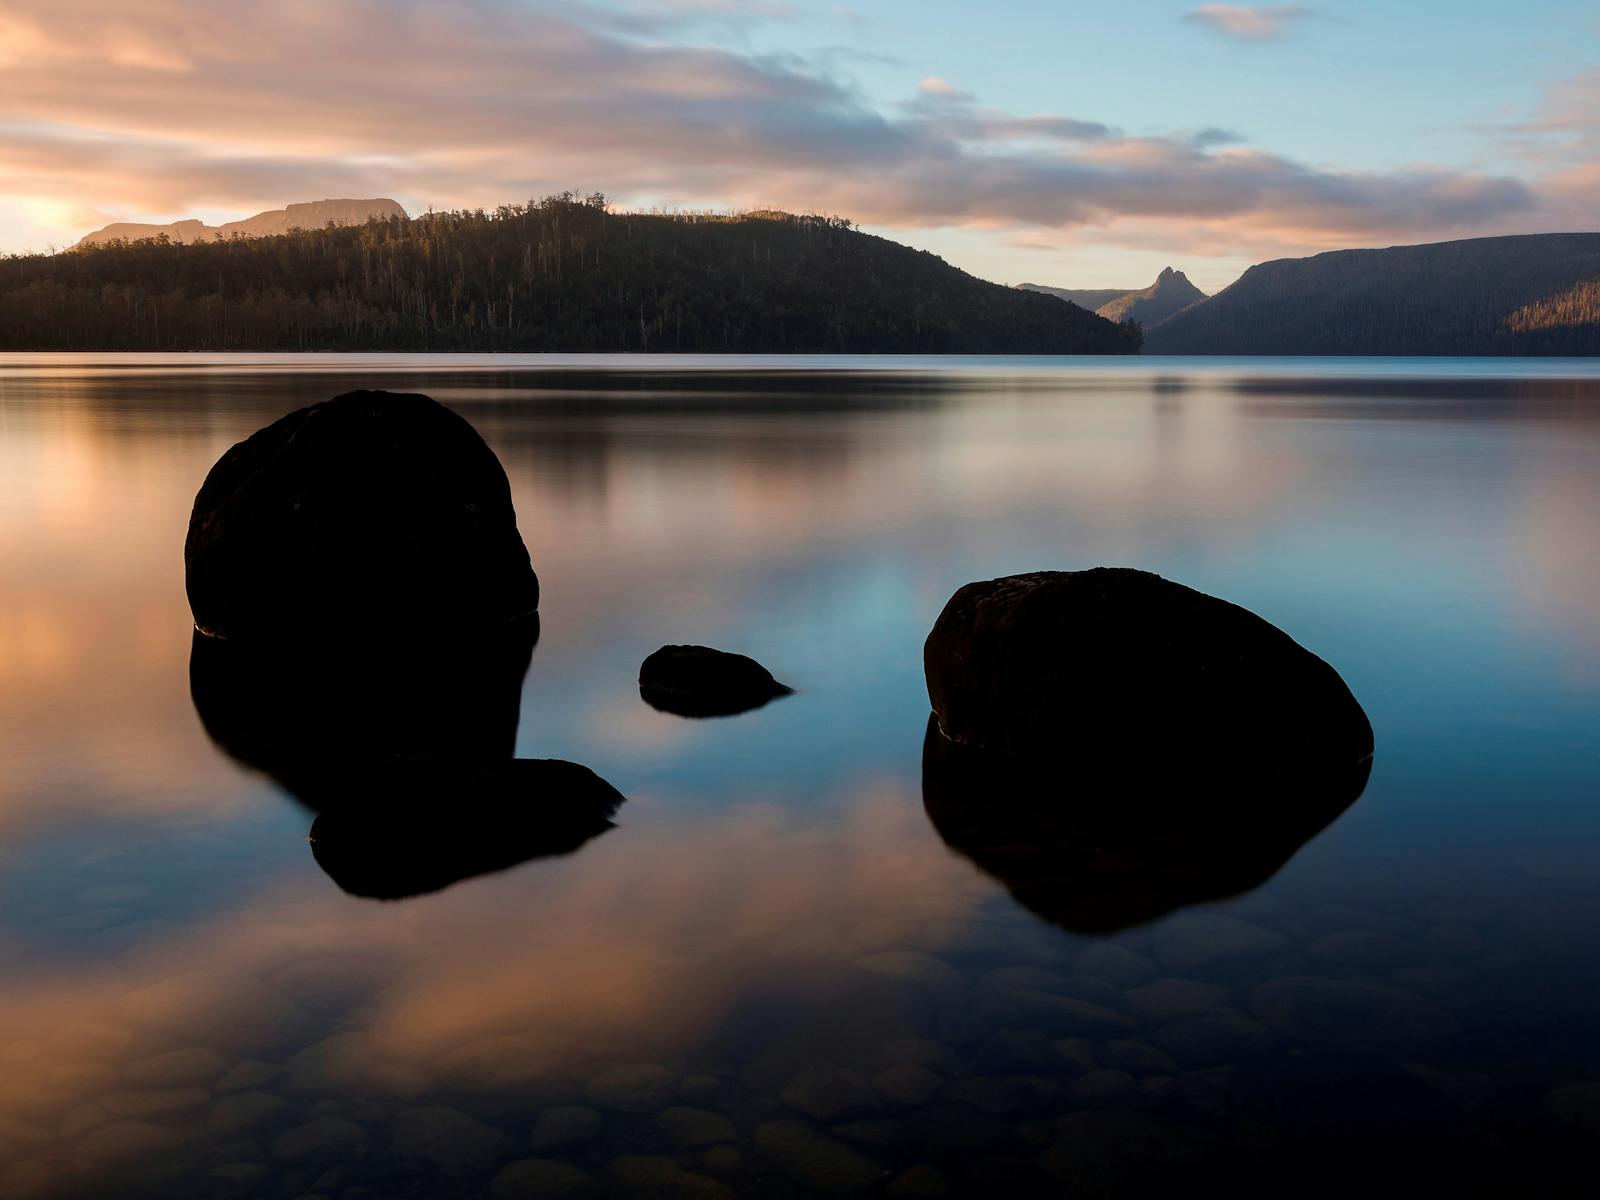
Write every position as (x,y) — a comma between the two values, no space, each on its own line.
(1246,23)
(160,108)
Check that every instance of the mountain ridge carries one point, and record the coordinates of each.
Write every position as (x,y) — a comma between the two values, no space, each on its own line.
(1519,294)
(308,214)
(1169,295)
(559,274)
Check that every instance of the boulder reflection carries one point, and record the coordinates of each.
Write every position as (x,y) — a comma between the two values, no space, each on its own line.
(1096,848)
(403,751)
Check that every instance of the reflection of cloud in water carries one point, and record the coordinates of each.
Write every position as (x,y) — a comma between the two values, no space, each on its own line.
(1556,555)
(644,951)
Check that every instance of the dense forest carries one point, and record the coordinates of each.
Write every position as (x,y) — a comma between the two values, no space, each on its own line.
(558,274)
(1531,294)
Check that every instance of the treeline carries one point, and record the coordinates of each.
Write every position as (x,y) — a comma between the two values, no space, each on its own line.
(558,274)
(1530,294)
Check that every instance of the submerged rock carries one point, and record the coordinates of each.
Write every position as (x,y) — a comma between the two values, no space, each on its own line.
(1112,662)
(814,1161)
(371,511)
(697,681)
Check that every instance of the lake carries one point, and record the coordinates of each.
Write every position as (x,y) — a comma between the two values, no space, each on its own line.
(776,975)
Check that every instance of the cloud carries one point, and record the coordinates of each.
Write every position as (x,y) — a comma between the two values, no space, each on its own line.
(941,89)
(1246,23)
(158,109)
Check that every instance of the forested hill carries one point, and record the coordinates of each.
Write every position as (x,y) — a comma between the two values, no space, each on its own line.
(1090,298)
(1531,294)
(561,274)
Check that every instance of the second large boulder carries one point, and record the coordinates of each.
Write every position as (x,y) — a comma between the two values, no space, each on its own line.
(1123,664)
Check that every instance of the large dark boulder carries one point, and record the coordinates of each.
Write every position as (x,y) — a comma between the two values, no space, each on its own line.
(372,511)
(697,681)
(1113,663)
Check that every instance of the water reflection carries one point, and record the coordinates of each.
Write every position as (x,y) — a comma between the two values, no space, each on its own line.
(415,825)
(403,748)
(311,717)
(1095,848)
(776,930)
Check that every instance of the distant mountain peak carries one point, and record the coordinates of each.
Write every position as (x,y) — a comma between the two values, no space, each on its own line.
(308,214)
(1170,294)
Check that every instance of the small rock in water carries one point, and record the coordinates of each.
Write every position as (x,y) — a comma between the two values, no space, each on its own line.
(634,1088)
(541,1179)
(699,1087)
(243,1113)
(815,1161)
(685,1128)
(921,1182)
(697,681)
(907,1086)
(723,1160)
(952,1129)
(830,1094)
(567,1125)
(249,1075)
(1137,1058)
(1195,940)
(1168,999)
(153,1101)
(876,1131)
(1104,1088)
(1344,1013)
(1116,965)
(126,1141)
(447,1138)
(1060,1016)
(195,1067)
(320,1139)
(648,1175)
(82,1118)
(1578,1104)
(1211,1041)
(913,966)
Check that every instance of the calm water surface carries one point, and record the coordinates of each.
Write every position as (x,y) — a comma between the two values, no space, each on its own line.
(774,977)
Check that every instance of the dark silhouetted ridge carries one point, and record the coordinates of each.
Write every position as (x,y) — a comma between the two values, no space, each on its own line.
(1530,294)
(561,274)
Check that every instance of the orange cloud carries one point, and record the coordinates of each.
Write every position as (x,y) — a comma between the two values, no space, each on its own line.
(162,108)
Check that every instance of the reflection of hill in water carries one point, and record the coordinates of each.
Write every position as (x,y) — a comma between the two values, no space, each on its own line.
(404,751)
(1095,848)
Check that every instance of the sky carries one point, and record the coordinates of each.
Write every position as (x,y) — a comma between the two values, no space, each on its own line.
(1076,143)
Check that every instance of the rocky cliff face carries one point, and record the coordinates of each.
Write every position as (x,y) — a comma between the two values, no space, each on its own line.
(312,214)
